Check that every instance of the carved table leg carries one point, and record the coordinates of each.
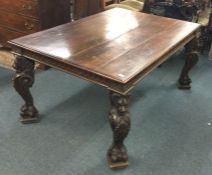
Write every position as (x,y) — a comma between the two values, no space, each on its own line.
(120,123)
(191,60)
(23,80)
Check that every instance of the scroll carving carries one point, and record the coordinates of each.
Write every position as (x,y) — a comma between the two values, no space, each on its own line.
(23,81)
(192,57)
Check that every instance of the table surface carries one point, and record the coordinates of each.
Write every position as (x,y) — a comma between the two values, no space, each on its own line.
(117,44)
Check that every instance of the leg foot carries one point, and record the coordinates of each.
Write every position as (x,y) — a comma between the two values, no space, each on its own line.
(120,123)
(117,157)
(23,80)
(29,114)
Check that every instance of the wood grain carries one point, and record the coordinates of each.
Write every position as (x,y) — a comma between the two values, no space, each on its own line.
(120,46)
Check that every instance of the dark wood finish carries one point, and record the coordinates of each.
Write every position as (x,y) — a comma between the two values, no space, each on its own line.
(23,80)
(28,16)
(120,123)
(118,51)
(191,60)
(83,8)
(23,17)
(23,24)
(7,34)
(24,7)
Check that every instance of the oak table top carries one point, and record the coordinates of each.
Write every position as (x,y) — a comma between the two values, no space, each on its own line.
(115,49)
(118,46)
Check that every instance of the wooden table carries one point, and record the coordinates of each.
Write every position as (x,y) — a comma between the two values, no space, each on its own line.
(114,49)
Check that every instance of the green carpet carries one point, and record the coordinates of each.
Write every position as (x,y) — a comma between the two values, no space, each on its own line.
(171,131)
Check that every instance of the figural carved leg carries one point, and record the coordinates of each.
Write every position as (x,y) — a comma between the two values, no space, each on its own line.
(191,60)
(120,123)
(23,80)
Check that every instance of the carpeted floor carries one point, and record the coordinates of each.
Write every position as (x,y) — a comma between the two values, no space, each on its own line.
(171,131)
(6,59)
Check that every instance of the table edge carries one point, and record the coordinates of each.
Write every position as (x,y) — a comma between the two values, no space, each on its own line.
(103,80)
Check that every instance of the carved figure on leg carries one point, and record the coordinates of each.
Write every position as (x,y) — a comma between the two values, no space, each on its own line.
(120,123)
(23,80)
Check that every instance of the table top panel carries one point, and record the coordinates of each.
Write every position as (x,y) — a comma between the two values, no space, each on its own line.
(116,44)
